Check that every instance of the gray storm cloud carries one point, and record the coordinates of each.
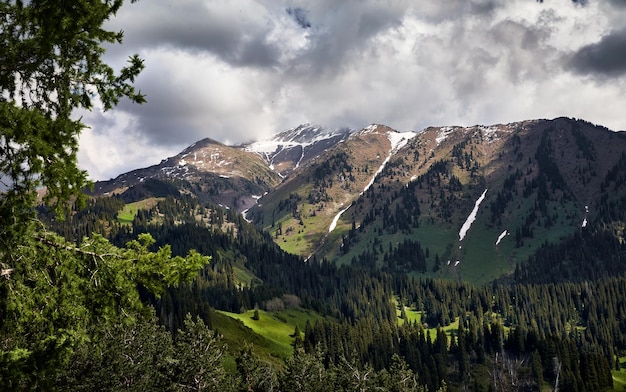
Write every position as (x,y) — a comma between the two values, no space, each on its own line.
(228,32)
(606,57)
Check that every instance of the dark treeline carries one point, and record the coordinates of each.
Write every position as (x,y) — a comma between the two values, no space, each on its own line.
(517,360)
(585,255)
(546,328)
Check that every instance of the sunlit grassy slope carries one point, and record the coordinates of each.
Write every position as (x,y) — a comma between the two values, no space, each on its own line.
(272,332)
(129,211)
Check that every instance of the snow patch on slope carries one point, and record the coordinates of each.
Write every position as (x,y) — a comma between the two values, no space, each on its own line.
(333,224)
(303,136)
(493,133)
(399,139)
(444,132)
(270,146)
(472,217)
(369,129)
(301,158)
(501,236)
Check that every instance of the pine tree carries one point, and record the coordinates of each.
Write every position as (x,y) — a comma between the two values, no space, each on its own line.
(254,375)
(297,338)
(306,372)
(51,290)
(198,359)
(129,358)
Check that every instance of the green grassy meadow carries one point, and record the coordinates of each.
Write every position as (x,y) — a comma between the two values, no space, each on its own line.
(413,315)
(619,376)
(128,213)
(272,332)
(619,380)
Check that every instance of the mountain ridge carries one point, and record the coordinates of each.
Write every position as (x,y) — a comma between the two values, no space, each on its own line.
(356,195)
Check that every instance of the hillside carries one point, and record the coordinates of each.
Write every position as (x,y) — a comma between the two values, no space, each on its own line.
(233,176)
(467,203)
(371,202)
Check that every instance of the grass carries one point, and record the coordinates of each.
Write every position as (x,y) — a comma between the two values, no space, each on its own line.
(619,380)
(126,216)
(487,261)
(481,260)
(310,236)
(619,376)
(295,238)
(236,335)
(275,328)
(128,213)
(244,277)
(413,315)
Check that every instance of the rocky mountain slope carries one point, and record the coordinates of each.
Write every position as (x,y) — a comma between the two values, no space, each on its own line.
(456,202)
(234,176)
(207,169)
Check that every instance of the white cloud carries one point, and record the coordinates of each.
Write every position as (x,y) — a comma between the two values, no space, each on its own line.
(115,144)
(236,71)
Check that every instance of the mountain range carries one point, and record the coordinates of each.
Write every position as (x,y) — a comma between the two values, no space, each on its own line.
(466,203)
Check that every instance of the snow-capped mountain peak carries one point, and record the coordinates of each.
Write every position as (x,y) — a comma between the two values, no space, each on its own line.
(302,135)
(287,150)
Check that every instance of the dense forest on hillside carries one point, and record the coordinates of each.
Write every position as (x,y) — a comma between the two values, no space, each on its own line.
(536,328)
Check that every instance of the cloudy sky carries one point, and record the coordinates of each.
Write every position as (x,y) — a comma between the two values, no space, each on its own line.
(237,71)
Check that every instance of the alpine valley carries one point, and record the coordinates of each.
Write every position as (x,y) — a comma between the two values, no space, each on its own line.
(485,258)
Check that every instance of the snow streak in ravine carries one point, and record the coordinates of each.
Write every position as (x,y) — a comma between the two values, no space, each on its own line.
(333,224)
(472,217)
(397,140)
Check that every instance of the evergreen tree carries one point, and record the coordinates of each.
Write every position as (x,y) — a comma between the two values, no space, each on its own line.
(400,378)
(51,66)
(297,338)
(198,359)
(51,291)
(71,288)
(136,358)
(254,375)
(306,372)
